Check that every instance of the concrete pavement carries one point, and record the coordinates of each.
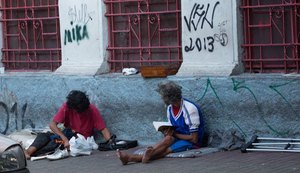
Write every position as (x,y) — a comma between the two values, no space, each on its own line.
(217,162)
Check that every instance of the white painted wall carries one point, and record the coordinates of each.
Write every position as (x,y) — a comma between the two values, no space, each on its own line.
(209,37)
(81,42)
(104,39)
(1,47)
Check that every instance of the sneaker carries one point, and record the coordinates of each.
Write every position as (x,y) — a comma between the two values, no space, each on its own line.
(58,154)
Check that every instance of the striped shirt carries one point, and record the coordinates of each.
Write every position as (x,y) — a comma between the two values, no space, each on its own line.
(188,119)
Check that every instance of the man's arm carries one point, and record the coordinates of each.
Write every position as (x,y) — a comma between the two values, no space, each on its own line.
(106,134)
(193,137)
(193,114)
(56,130)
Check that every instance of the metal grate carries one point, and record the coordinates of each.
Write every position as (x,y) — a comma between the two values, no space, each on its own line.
(31,37)
(271,35)
(144,33)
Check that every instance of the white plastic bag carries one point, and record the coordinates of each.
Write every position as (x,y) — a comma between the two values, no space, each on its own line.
(81,146)
(92,142)
(129,71)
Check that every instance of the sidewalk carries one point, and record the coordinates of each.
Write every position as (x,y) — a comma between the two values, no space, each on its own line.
(218,162)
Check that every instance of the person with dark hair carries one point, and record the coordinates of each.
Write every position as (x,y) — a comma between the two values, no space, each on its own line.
(187,127)
(77,115)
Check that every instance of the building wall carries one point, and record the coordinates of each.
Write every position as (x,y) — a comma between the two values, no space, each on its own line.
(82,37)
(209,37)
(252,104)
(261,105)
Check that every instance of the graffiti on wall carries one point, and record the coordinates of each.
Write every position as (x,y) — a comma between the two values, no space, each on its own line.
(10,114)
(222,37)
(13,117)
(240,85)
(200,19)
(79,17)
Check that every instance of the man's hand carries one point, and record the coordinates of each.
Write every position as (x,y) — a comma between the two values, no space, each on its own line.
(168,131)
(66,143)
(56,130)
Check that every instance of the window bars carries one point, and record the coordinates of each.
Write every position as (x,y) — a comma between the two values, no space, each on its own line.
(143,33)
(31,37)
(271,36)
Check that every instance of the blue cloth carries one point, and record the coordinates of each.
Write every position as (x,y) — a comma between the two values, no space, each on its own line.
(67,132)
(181,145)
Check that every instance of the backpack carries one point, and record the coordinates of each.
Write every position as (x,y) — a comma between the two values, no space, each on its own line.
(113,144)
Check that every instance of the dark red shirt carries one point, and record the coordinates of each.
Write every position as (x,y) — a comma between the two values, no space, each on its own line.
(83,123)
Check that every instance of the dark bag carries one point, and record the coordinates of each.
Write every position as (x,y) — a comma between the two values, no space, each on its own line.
(114,144)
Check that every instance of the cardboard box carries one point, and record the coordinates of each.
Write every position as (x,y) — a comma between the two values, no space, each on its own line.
(158,71)
(154,71)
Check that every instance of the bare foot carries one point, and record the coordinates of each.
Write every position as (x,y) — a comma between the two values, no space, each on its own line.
(147,155)
(123,157)
(27,156)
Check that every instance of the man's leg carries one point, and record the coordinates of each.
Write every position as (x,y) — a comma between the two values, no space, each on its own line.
(29,151)
(40,141)
(125,158)
(158,151)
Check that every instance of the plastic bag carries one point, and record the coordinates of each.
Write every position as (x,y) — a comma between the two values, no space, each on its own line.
(81,146)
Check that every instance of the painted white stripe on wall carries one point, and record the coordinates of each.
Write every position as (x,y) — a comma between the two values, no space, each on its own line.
(80,36)
(209,37)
